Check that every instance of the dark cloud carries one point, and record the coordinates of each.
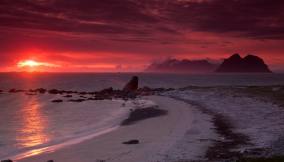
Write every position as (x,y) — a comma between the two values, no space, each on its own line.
(247,18)
(254,18)
(144,28)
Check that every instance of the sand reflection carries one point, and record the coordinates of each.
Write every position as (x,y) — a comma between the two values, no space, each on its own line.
(32,132)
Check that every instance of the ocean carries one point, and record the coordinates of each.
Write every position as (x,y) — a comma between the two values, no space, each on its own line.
(31,124)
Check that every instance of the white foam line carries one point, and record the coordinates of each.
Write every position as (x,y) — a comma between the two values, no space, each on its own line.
(53,148)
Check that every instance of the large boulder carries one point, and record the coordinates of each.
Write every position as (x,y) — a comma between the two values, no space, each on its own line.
(132,85)
(8,160)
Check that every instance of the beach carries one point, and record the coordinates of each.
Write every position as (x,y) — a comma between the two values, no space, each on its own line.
(193,123)
(156,135)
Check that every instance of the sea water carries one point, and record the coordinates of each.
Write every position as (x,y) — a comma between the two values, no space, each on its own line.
(31,124)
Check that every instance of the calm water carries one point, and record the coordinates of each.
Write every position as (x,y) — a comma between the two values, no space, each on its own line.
(92,81)
(32,122)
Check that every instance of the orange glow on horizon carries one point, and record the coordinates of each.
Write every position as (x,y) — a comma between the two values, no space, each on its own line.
(32,63)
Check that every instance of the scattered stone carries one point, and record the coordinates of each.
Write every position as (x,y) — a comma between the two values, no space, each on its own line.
(57,101)
(100,160)
(131,142)
(76,100)
(91,98)
(107,91)
(16,90)
(132,85)
(41,90)
(142,114)
(8,160)
(30,94)
(54,91)
(83,93)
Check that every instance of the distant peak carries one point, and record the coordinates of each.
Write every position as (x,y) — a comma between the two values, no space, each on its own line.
(248,64)
(235,56)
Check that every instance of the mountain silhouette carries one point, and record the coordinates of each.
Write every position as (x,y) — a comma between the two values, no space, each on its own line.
(182,66)
(248,64)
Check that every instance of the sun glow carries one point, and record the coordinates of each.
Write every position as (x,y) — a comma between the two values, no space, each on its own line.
(32,63)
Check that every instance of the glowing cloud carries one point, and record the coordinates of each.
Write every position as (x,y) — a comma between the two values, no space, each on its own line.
(32,63)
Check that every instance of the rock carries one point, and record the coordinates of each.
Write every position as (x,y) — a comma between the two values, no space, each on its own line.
(41,90)
(68,96)
(131,142)
(248,64)
(54,91)
(132,85)
(16,90)
(8,160)
(142,114)
(76,100)
(107,91)
(30,94)
(57,101)
(50,161)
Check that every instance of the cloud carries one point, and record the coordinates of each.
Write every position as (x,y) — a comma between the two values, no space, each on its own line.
(140,29)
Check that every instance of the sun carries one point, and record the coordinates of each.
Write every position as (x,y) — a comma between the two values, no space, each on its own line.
(28,63)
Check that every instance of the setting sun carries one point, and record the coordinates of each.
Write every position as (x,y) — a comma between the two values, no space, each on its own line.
(33,63)
(29,63)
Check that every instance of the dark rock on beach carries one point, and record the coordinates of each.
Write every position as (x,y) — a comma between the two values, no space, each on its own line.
(30,94)
(8,160)
(132,85)
(54,91)
(143,113)
(131,142)
(57,101)
(107,91)
(16,90)
(41,90)
(38,90)
(76,100)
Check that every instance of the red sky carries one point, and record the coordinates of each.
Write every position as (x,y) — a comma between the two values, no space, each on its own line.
(127,35)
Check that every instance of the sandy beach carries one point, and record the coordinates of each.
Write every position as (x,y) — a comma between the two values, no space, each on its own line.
(156,135)
(193,125)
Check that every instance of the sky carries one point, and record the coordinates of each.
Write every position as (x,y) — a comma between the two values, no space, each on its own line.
(128,35)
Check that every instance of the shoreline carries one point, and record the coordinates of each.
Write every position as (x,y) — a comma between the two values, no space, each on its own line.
(182,129)
(162,133)
(222,149)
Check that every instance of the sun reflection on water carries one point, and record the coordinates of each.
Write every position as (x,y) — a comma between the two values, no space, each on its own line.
(32,132)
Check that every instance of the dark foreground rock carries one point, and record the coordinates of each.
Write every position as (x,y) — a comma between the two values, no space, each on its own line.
(57,101)
(143,113)
(132,85)
(76,100)
(16,90)
(131,142)
(8,160)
